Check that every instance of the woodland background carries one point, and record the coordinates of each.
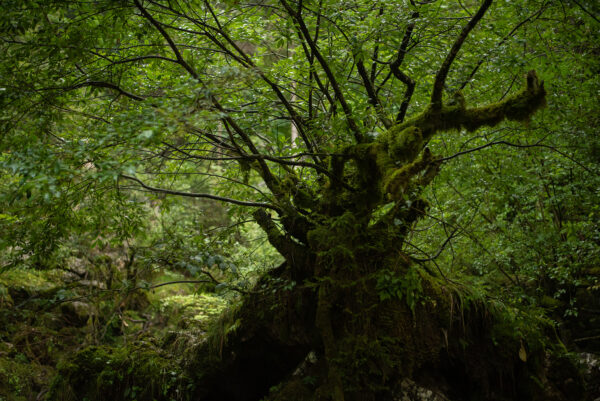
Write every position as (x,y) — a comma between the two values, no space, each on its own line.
(115,274)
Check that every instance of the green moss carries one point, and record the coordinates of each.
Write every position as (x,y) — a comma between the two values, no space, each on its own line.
(403,144)
(294,189)
(294,390)
(396,182)
(138,372)
(518,107)
(193,308)
(29,280)
(383,169)
(338,238)
(228,322)
(5,298)
(455,115)
(20,379)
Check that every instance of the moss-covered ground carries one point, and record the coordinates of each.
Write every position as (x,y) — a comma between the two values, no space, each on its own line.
(63,338)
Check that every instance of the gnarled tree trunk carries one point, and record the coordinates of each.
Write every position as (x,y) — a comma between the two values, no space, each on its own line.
(347,296)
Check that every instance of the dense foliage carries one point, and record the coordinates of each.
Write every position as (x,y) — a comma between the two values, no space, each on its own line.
(377,191)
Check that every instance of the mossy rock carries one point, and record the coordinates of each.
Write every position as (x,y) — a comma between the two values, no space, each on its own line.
(30,280)
(20,379)
(294,390)
(139,372)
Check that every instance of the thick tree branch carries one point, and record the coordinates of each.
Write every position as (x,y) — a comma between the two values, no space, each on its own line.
(397,63)
(395,69)
(518,107)
(295,253)
(440,77)
(410,89)
(373,99)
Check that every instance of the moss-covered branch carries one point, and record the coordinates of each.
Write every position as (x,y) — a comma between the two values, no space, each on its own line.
(395,165)
(440,78)
(518,107)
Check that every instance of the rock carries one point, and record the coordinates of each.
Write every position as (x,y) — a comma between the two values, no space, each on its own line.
(411,391)
(591,374)
(75,313)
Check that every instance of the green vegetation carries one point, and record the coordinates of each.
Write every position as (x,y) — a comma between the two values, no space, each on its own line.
(299,200)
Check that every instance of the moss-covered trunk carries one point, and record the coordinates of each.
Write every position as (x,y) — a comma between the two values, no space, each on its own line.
(256,345)
(351,300)
(365,321)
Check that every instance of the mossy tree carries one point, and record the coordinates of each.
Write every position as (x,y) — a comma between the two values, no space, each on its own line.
(164,88)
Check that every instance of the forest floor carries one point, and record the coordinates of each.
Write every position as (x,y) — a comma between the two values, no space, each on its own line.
(62,335)
(48,317)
